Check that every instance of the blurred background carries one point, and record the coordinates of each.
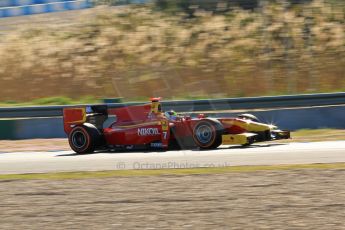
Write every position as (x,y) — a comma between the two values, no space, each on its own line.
(171,48)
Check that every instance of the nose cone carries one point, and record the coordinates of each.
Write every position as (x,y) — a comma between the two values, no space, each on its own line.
(272,126)
(259,127)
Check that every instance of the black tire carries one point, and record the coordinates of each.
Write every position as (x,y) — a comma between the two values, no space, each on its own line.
(248,116)
(207,134)
(85,139)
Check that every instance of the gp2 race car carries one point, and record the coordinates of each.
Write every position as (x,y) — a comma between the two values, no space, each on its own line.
(98,127)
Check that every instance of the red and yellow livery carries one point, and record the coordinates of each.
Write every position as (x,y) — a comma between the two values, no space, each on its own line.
(90,128)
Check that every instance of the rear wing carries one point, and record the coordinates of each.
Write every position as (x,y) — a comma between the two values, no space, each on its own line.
(94,114)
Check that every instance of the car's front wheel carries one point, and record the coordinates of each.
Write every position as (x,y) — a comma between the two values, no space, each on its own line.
(208,134)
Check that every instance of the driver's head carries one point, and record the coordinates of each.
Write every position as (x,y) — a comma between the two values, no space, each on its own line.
(171,115)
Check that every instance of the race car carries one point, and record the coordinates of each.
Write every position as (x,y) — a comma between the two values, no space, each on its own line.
(146,126)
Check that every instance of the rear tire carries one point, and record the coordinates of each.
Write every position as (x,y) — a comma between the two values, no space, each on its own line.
(84,139)
(207,134)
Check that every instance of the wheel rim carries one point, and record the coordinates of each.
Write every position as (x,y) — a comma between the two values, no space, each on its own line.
(78,139)
(204,134)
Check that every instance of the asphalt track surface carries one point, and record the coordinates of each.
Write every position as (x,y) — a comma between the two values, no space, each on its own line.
(259,154)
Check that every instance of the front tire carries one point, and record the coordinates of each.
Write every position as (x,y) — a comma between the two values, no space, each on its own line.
(207,134)
(84,139)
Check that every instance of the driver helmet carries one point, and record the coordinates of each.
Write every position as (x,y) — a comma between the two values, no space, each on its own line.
(171,115)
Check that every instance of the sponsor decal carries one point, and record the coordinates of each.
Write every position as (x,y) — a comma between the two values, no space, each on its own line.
(129,147)
(148,131)
(156,145)
(165,125)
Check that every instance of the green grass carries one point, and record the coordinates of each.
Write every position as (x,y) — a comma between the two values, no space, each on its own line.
(52,101)
(312,135)
(312,132)
(163,172)
(62,100)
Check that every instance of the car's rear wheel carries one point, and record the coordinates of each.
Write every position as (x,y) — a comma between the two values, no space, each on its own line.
(84,139)
(208,134)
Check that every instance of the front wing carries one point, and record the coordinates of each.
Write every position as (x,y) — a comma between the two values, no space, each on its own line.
(250,138)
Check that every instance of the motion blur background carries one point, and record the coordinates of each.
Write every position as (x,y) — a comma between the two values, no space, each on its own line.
(175,49)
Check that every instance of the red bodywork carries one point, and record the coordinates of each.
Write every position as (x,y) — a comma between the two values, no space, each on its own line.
(147,125)
(130,121)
